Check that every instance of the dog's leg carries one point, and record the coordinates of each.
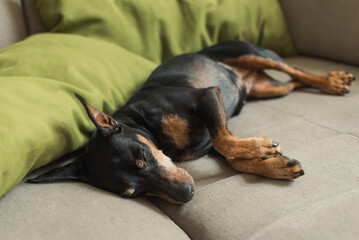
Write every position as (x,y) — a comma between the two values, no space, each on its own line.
(258,155)
(332,83)
(260,85)
(266,87)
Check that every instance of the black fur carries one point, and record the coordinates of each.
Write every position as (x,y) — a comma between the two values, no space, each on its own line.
(109,161)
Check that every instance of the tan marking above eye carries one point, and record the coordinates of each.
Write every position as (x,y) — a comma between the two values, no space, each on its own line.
(140,163)
(177,129)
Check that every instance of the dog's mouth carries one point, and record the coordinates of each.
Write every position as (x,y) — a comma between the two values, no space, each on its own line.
(181,197)
(176,186)
(164,197)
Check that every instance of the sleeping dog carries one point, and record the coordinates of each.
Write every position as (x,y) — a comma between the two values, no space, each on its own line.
(180,114)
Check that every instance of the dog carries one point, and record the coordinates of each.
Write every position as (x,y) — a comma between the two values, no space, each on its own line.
(180,114)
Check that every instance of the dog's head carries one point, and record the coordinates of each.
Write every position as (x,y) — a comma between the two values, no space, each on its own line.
(124,160)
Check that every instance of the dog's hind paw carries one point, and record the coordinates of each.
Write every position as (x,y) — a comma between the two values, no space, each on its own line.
(346,77)
(337,82)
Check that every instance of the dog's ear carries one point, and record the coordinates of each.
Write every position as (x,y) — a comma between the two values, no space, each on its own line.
(70,171)
(104,123)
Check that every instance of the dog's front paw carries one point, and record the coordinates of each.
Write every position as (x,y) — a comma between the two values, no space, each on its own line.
(259,147)
(281,167)
(248,148)
(273,166)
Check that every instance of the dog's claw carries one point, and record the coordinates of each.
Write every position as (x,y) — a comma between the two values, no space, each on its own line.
(301,172)
(293,162)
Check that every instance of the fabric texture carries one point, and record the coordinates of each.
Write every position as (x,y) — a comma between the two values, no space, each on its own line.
(321,131)
(78,211)
(41,118)
(12,25)
(33,21)
(324,28)
(160,29)
(40,75)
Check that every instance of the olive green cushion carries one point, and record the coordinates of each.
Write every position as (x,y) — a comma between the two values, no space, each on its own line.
(41,119)
(101,60)
(159,29)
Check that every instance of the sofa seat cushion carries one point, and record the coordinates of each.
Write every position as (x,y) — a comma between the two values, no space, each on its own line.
(320,131)
(79,211)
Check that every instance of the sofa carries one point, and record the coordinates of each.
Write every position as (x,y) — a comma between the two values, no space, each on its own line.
(321,131)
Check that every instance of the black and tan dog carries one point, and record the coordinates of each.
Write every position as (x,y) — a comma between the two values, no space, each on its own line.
(181,113)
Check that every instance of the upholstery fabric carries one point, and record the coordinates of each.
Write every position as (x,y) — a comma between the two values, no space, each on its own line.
(40,75)
(320,131)
(79,211)
(41,118)
(159,29)
(12,25)
(324,28)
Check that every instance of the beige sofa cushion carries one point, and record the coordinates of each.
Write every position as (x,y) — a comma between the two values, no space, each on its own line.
(324,28)
(12,25)
(249,207)
(320,131)
(79,211)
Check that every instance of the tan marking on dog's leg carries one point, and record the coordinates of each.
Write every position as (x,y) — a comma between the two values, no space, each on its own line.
(257,156)
(258,84)
(262,87)
(328,84)
(235,149)
(232,147)
(229,145)
(177,129)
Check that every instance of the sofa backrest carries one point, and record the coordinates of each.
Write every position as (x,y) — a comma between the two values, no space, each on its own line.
(12,24)
(324,28)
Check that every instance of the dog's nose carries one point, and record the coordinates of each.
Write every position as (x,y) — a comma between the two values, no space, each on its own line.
(188,192)
(190,188)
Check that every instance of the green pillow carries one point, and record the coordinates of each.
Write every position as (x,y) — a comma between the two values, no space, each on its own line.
(41,119)
(158,29)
